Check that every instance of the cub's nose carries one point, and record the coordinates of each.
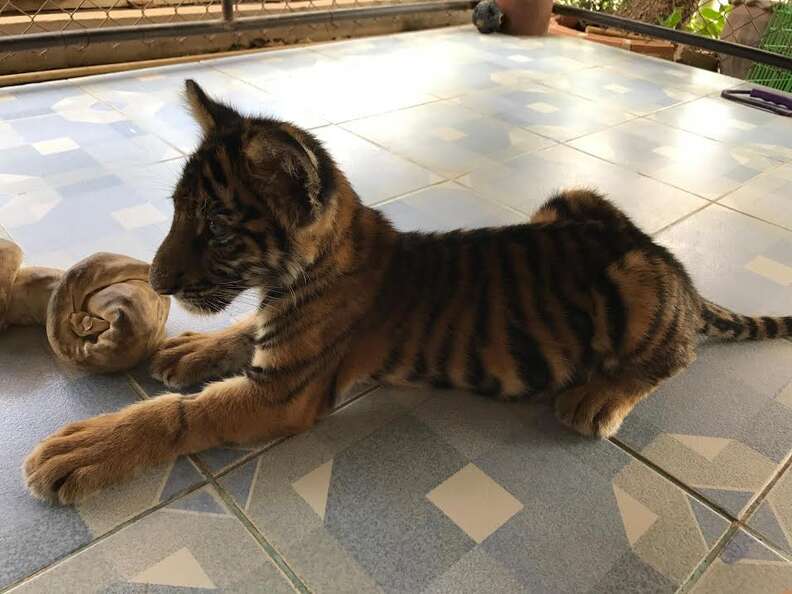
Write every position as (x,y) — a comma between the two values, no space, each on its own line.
(165,284)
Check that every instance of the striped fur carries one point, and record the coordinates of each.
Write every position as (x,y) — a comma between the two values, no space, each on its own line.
(576,295)
(577,304)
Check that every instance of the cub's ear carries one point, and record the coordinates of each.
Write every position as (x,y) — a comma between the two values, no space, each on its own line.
(292,156)
(208,113)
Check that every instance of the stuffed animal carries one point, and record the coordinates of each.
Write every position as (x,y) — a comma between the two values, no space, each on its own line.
(101,315)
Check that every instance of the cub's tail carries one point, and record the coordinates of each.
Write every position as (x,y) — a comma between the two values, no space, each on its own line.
(720,322)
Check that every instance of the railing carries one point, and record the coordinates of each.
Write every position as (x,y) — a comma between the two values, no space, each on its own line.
(32,31)
(747,39)
(750,39)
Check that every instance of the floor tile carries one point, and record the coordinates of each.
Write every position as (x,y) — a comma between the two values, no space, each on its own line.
(396,506)
(342,98)
(773,518)
(767,196)
(194,544)
(546,111)
(445,207)
(673,74)
(47,99)
(358,158)
(447,138)
(38,395)
(474,502)
(525,182)
(85,213)
(257,68)
(746,565)
(154,98)
(734,124)
(719,426)
(49,145)
(619,88)
(720,248)
(687,161)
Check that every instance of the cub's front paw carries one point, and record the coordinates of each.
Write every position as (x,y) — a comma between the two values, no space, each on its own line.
(86,456)
(79,459)
(189,359)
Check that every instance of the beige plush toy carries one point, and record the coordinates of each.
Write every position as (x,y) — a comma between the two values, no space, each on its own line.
(101,314)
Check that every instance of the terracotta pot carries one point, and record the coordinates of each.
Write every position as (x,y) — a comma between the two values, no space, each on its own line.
(526,17)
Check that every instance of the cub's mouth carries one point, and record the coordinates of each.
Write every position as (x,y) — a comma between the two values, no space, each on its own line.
(205,301)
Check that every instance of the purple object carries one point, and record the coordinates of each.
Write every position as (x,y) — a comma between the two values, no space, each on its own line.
(766,100)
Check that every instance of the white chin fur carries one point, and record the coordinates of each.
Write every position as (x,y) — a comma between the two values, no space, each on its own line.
(192,308)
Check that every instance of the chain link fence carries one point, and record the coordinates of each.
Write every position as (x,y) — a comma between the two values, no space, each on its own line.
(762,24)
(56,34)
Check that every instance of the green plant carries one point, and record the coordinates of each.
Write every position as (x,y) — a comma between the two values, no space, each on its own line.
(672,20)
(709,20)
(607,6)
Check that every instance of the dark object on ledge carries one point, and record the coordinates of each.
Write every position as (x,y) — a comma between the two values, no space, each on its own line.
(766,100)
(487,16)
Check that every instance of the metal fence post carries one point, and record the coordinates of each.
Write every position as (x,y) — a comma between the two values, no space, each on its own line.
(228,10)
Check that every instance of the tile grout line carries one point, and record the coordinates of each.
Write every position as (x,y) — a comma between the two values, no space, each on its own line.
(85,88)
(445,177)
(626,166)
(737,522)
(750,216)
(680,219)
(777,163)
(228,469)
(702,566)
(760,497)
(770,545)
(672,479)
(269,550)
(136,387)
(209,479)
(111,532)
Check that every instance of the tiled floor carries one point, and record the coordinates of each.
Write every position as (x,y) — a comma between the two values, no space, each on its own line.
(412,491)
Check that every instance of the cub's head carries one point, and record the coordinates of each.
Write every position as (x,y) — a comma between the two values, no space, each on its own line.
(251,206)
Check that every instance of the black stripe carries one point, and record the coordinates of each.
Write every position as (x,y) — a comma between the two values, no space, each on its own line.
(279,235)
(218,175)
(788,325)
(542,280)
(181,430)
(446,349)
(615,311)
(753,328)
(669,334)
(531,364)
(577,264)
(266,373)
(441,289)
(560,205)
(661,293)
(307,293)
(475,373)
(771,327)
(416,271)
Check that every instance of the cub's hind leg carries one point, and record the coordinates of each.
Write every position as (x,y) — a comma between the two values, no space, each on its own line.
(194,357)
(579,205)
(598,407)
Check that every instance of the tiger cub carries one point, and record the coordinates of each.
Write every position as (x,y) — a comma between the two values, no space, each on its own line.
(579,304)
